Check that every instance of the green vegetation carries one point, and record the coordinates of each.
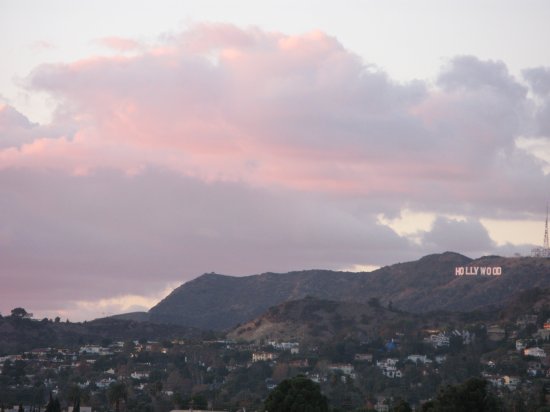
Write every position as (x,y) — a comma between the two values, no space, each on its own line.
(298,394)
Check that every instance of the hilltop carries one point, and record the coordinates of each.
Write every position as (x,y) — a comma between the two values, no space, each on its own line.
(214,301)
(18,334)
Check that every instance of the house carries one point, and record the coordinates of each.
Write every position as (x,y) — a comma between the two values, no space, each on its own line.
(466,336)
(419,358)
(41,352)
(496,381)
(391,345)
(288,346)
(270,384)
(520,345)
(105,383)
(389,368)
(345,368)
(526,320)
(299,363)
(315,377)
(489,364)
(440,340)
(495,333)
(95,350)
(262,356)
(511,382)
(139,375)
(363,357)
(381,406)
(536,352)
(534,369)
(440,358)
(386,362)
(392,372)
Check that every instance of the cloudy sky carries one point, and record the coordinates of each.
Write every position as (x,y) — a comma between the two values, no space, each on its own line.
(145,143)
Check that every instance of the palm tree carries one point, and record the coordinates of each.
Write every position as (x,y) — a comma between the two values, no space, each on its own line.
(117,392)
(76,407)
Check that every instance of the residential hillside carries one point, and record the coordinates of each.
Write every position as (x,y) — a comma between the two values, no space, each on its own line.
(214,301)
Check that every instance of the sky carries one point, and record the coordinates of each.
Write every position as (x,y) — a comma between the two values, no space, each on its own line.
(145,143)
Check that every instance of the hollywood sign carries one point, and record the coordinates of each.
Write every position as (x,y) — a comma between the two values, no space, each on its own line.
(478,270)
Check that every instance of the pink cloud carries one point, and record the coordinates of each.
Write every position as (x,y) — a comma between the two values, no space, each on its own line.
(221,103)
(119,43)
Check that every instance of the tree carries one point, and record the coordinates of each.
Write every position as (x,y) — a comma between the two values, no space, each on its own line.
(53,405)
(116,393)
(470,396)
(20,313)
(76,407)
(298,394)
(402,406)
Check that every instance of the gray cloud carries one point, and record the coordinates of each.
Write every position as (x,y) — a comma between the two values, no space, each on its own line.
(468,236)
(85,238)
(539,79)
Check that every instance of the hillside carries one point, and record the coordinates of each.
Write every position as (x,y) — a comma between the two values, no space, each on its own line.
(318,320)
(19,334)
(220,302)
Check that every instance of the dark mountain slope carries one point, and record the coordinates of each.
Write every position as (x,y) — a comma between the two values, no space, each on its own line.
(220,302)
(312,320)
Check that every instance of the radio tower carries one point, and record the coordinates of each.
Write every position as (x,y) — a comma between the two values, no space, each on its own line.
(543,251)
(545,243)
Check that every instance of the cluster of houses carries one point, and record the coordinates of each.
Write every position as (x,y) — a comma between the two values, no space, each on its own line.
(48,363)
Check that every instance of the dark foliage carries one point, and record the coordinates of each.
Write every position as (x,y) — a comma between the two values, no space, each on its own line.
(298,394)
(470,396)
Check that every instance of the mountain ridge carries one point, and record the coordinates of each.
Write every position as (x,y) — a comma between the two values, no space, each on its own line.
(214,301)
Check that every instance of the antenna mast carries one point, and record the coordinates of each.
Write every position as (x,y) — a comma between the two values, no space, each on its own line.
(543,251)
(545,243)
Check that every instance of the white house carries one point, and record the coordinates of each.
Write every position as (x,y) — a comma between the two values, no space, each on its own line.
(284,345)
(520,345)
(440,340)
(536,352)
(419,358)
(345,368)
(262,356)
(95,350)
(389,368)
(139,375)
